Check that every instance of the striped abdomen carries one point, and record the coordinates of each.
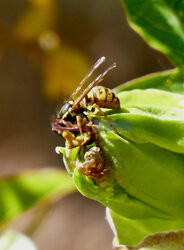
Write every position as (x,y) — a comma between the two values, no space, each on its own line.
(103,97)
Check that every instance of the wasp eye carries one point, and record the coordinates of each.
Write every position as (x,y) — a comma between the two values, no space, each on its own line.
(64,109)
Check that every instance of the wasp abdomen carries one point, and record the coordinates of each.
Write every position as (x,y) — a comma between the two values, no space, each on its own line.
(103,97)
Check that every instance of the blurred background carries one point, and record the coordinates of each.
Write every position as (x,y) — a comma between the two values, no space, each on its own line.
(46,47)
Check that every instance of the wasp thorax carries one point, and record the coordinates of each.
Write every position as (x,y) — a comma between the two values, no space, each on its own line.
(64,109)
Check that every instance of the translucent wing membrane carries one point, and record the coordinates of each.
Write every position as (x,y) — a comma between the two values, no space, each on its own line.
(92,85)
(83,84)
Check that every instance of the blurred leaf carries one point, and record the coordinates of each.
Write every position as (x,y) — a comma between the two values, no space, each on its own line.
(37,18)
(49,41)
(31,221)
(160,23)
(171,80)
(63,69)
(15,241)
(44,4)
(22,191)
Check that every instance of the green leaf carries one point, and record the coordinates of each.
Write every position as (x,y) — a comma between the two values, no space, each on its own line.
(160,23)
(142,124)
(178,7)
(22,191)
(147,173)
(131,232)
(13,240)
(171,80)
(151,97)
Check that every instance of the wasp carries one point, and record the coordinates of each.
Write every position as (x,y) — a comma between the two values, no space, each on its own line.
(72,122)
(75,126)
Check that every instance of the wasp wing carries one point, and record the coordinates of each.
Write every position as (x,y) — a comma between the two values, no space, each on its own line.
(92,85)
(83,84)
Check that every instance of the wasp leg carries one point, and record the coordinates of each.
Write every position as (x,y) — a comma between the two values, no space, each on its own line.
(104,114)
(95,134)
(79,123)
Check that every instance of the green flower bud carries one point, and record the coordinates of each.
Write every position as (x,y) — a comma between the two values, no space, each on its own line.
(146,162)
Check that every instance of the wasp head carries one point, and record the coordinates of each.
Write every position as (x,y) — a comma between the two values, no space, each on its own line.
(63,113)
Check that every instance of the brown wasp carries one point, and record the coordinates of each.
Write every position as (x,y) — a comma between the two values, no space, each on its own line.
(72,122)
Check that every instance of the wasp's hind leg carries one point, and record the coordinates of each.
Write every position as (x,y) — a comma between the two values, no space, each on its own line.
(95,134)
(95,106)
